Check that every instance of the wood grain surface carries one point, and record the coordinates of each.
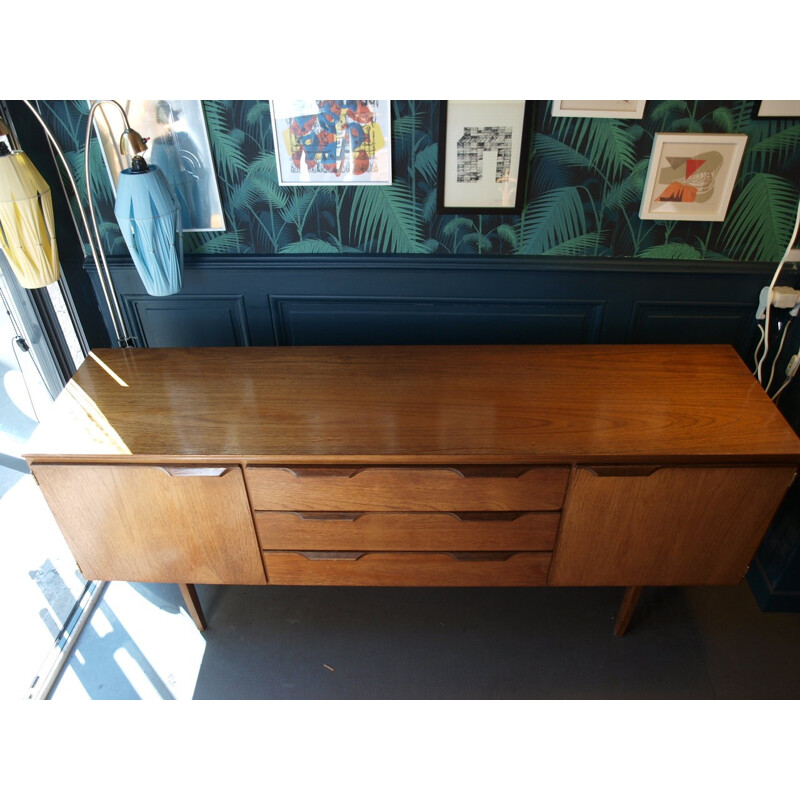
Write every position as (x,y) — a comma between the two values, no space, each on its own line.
(676,526)
(407,569)
(432,404)
(420,531)
(406,489)
(139,523)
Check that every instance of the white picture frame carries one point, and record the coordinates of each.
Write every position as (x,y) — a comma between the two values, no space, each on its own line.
(332,142)
(178,145)
(779,108)
(610,109)
(691,176)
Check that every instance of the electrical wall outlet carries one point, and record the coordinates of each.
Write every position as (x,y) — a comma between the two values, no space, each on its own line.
(780,297)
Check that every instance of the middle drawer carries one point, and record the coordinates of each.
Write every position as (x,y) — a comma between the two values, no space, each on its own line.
(407,488)
(284,530)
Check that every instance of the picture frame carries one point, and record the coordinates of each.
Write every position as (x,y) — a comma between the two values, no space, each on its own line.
(779,108)
(691,176)
(611,109)
(178,143)
(484,147)
(332,142)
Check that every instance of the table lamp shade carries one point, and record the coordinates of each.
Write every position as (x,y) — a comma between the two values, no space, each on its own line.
(27,225)
(149,217)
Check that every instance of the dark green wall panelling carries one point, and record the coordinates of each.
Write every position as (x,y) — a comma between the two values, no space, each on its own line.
(586,178)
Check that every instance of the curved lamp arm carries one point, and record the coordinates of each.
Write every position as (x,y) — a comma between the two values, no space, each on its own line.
(124,339)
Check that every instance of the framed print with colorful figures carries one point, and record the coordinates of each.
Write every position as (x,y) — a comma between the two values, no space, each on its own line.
(332,142)
(691,175)
(484,146)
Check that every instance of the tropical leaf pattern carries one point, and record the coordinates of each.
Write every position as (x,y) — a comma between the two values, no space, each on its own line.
(585,178)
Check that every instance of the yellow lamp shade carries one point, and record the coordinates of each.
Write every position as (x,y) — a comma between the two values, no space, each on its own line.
(27,226)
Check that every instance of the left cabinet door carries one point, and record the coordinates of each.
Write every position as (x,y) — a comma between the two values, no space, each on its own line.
(153,523)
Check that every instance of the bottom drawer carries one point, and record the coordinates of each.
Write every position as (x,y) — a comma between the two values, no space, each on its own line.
(407,569)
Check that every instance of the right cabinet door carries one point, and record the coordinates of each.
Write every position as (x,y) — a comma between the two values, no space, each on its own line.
(664,526)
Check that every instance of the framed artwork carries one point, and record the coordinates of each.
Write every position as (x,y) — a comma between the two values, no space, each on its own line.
(332,142)
(613,109)
(779,108)
(691,175)
(483,156)
(178,144)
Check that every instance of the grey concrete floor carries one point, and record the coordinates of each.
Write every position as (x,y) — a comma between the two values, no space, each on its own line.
(354,643)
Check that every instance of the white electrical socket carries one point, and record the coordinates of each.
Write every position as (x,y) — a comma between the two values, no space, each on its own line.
(785,297)
(780,297)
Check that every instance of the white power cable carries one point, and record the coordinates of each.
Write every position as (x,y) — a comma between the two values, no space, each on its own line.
(758,347)
(777,356)
(770,288)
(791,371)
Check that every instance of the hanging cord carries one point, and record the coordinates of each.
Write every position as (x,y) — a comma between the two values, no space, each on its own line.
(791,371)
(758,347)
(792,239)
(777,356)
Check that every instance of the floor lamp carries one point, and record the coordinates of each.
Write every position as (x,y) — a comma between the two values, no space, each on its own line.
(150,221)
(147,211)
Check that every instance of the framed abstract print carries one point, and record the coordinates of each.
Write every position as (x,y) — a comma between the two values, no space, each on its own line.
(691,175)
(332,142)
(484,148)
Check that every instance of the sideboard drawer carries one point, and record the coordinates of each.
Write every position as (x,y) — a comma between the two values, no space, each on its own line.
(407,569)
(375,530)
(408,488)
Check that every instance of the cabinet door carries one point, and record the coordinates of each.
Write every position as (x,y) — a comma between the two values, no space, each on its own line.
(151,523)
(674,526)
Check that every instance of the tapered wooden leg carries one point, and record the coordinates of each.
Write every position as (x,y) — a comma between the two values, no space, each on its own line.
(193,604)
(632,594)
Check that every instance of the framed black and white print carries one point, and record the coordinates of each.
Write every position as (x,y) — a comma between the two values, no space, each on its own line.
(483,156)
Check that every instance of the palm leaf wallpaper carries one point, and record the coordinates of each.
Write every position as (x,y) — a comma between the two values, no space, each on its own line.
(585,183)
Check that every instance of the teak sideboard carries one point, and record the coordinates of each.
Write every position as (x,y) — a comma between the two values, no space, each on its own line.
(415,466)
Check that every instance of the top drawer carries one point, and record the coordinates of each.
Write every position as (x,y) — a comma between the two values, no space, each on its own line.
(516,488)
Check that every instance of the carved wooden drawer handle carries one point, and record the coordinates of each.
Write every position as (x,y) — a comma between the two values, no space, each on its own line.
(322,472)
(196,472)
(488,516)
(330,555)
(471,471)
(354,555)
(625,471)
(463,516)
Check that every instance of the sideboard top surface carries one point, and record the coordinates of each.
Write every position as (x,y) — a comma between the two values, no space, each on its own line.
(432,404)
